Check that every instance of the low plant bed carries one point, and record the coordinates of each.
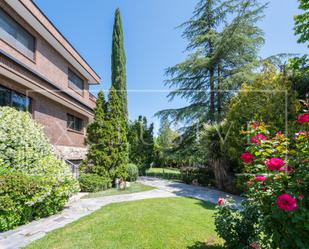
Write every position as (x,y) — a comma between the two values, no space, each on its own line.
(134,188)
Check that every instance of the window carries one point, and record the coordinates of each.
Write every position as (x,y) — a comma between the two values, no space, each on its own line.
(75,82)
(74,123)
(11,98)
(16,35)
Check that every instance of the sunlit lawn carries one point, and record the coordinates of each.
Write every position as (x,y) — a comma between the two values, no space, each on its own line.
(169,223)
(134,188)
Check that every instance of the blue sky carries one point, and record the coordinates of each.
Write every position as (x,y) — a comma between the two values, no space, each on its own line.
(152,41)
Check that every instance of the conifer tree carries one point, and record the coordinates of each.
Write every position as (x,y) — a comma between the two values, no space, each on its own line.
(223,41)
(141,142)
(119,63)
(117,147)
(97,139)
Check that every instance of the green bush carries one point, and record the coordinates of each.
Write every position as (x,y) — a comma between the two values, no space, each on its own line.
(24,198)
(93,183)
(237,226)
(24,149)
(132,172)
(264,100)
(203,176)
(164,173)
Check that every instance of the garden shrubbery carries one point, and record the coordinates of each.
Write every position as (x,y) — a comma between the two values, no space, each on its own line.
(277,192)
(198,175)
(33,182)
(132,172)
(93,182)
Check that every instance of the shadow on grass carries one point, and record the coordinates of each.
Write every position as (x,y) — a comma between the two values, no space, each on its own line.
(203,245)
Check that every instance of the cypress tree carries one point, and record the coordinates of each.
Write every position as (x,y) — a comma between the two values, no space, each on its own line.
(119,63)
(117,146)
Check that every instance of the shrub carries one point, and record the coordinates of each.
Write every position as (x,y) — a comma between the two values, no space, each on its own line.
(238,226)
(164,173)
(25,151)
(262,100)
(24,198)
(93,183)
(132,172)
(277,190)
(202,175)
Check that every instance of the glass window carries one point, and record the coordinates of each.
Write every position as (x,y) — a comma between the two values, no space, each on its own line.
(74,123)
(14,99)
(16,35)
(5,97)
(75,81)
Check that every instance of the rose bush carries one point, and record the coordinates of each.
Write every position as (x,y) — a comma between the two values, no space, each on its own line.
(277,167)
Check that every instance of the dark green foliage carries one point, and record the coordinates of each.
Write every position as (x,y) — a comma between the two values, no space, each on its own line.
(93,183)
(298,73)
(117,146)
(106,138)
(200,175)
(223,41)
(302,22)
(132,172)
(24,198)
(141,142)
(119,63)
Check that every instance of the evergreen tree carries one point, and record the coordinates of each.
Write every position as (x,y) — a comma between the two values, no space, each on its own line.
(106,138)
(117,146)
(141,142)
(119,63)
(302,22)
(223,45)
(97,139)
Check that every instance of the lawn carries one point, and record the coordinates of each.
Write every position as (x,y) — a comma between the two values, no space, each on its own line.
(166,173)
(168,223)
(134,188)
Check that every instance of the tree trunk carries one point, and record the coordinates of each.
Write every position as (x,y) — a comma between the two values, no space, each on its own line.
(212,93)
(219,94)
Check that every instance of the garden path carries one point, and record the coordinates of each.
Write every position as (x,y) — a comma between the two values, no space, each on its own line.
(77,208)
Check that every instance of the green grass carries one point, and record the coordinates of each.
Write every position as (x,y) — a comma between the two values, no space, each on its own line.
(166,173)
(167,223)
(134,188)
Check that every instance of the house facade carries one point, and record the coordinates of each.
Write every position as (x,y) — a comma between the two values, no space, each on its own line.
(41,72)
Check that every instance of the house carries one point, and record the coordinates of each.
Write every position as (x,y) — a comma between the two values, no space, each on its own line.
(41,72)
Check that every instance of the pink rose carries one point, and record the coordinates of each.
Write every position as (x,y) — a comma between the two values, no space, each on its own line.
(301,196)
(304,118)
(221,201)
(274,163)
(287,169)
(257,138)
(246,157)
(260,178)
(286,202)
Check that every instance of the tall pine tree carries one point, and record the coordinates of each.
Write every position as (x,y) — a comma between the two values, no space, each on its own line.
(119,63)
(223,45)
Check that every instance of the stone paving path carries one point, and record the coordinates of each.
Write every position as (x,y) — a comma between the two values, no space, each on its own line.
(78,208)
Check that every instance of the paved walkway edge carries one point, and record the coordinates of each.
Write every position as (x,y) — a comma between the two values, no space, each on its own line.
(77,208)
